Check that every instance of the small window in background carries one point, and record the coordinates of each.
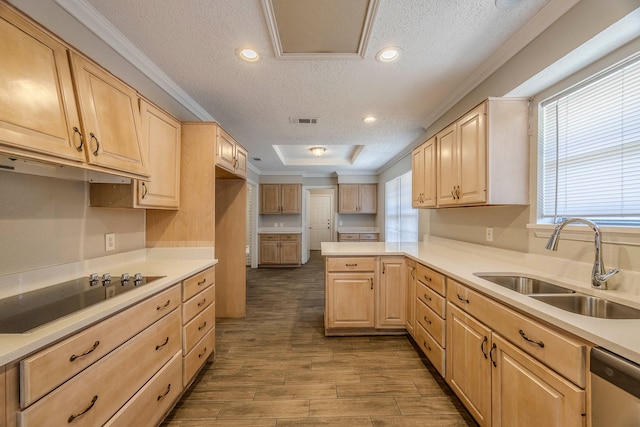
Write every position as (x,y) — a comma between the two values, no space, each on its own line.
(401,220)
(589,150)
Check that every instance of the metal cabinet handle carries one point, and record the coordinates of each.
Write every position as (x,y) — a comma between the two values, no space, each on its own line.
(166,304)
(424,343)
(74,356)
(202,282)
(384,267)
(87,409)
(166,341)
(485,340)
(427,278)
(458,192)
(203,302)
(203,353)
(204,325)
(453,193)
(371,282)
(93,137)
(165,393)
(426,297)
(145,190)
(351,265)
(493,347)
(426,320)
(76,130)
(462,299)
(523,335)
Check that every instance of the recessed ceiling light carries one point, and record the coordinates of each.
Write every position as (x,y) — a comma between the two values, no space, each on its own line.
(317,151)
(369,119)
(388,54)
(248,54)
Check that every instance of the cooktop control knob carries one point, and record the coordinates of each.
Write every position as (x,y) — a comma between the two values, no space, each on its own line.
(124,278)
(106,278)
(137,277)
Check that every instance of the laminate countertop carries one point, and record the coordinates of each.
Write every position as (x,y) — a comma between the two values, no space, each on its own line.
(460,261)
(175,264)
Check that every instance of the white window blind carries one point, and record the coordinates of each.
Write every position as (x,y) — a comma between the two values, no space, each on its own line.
(401,220)
(590,150)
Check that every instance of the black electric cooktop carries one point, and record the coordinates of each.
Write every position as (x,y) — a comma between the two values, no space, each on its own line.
(23,312)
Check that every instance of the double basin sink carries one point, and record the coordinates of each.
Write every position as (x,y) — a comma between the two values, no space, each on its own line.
(561,297)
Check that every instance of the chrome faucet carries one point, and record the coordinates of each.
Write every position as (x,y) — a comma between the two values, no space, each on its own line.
(599,273)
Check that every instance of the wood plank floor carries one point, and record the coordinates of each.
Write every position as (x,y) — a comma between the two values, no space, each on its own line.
(276,368)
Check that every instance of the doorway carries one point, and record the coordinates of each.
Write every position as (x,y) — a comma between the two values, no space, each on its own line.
(320,217)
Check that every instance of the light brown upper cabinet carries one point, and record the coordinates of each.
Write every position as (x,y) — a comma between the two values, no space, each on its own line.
(357,198)
(423,165)
(230,155)
(110,118)
(38,114)
(280,198)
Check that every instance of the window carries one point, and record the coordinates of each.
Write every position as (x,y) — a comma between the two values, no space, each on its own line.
(589,150)
(401,220)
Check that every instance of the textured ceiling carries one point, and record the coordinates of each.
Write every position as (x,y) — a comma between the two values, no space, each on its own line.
(443,43)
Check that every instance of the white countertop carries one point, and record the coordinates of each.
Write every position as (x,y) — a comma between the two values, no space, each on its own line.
(175,264)
(460,260)
(279,230)
(358,230)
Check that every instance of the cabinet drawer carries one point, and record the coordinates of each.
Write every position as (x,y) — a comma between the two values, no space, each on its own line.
(198,303)
(154,400)
(430,348)
(198,282)
(370,237)
(198,327)
(564,354)
(431,299)
(45,370)
(289,237)
(346,237)
(351,264)
(431,322)
(269,238)
(91,392)
(431,278)
(198,355)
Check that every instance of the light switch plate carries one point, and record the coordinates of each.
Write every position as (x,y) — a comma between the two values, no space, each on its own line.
(110,242)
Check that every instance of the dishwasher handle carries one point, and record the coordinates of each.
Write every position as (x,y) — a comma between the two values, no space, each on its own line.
(616,370)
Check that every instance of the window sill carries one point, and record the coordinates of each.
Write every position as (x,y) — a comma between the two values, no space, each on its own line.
(610,234)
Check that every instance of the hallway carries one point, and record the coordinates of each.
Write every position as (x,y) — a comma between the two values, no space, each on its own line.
(276,367)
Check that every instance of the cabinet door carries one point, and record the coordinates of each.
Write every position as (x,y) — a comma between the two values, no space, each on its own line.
(472,156)
(417,177)
(350,300)
(447,166)
(269,252)
(429,155)
(241,161)
(368,198)
(269,198)
(348,198)
(468,368)
(410,308)
(528,394)
(291,198)
(161,139)
(392,293)
(110,119)
(37,105)
(290,252)
(225,150)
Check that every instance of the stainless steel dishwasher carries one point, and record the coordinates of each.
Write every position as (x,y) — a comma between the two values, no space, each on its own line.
(615,390)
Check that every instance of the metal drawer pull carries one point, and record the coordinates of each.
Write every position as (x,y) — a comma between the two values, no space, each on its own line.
(166,304)
(462,299)
(76,130)
(74,357)
(523,335)
(145,190)
(73,417)
(166,341)
(351,265)
(493,347)
(203,353)
(165,393)
(202,282)
(203,302)
(95,153)
(427,320)
(427,278)
(202,326)
(482,346)
(424,343)
(371,283)
(426,297)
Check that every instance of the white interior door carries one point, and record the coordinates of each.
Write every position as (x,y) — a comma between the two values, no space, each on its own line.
(320,224)
(306,208)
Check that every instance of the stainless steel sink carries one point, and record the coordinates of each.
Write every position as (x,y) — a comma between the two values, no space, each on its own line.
(588,305)
(524,284)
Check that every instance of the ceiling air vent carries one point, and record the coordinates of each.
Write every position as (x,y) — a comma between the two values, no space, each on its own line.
(307,121)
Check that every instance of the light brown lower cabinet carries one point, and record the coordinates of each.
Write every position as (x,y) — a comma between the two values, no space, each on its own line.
(391,295)
(279,249)
(358,237)
(410,317)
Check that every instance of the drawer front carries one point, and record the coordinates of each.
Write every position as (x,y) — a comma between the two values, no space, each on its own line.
(431,322)
(269,238)
(431,349)
(289,237)
(89,398)
(198,282)
(196,358)
(431,278)
(564,354)
(198,328)
(198,303)
(154,400)
(351,264)
(348,237)
(369,237)
(431,299)
(45,370)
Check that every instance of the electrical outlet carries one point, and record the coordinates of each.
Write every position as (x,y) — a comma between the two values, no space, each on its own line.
(110,242)
(488,234)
